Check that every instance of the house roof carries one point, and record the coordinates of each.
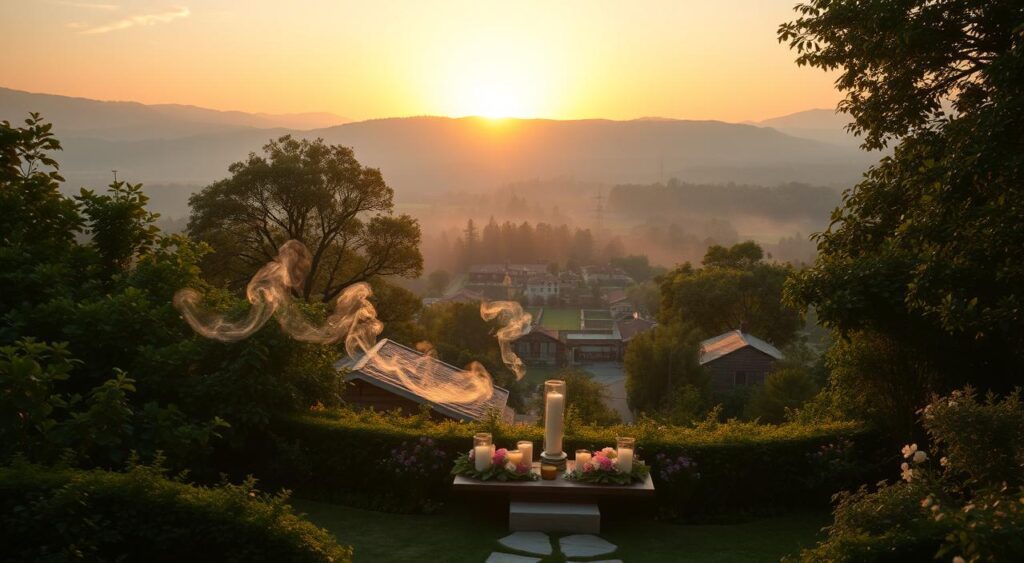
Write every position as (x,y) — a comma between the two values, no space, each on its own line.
(615,296)
(537,329)
(366,369)
(725,344)
(628,328)
(503,268)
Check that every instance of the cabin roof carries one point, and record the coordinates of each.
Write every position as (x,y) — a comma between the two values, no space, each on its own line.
(725,344)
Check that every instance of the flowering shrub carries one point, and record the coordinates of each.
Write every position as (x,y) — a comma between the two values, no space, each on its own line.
(966,505)
(678,477)
(415,467)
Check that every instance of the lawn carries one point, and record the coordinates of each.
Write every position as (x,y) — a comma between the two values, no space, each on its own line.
(468,533)
(561,319)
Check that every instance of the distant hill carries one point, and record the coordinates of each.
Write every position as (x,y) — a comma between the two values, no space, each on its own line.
(117,121)
(823,125)
(421,157)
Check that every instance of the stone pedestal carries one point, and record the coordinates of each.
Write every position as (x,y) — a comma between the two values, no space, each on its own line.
(556,460)
(554,517)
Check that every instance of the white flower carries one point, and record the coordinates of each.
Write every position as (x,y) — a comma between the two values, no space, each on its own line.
(907,473)
(959,559)
(920,456)
(510,466)
(944,461)
(926,502)
(908,451)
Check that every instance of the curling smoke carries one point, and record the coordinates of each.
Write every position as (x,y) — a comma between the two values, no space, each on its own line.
(514,322)
(353,320)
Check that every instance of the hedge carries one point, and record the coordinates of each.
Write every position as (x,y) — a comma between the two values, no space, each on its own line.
(73,515)
(341,455)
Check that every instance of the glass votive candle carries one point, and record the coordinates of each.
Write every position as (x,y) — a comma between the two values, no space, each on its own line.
(483,450)
(624,453)
(548,472)
(526,447)
(582,458)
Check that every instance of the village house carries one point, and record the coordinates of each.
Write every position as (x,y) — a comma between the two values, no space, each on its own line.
(542,288)
(370,386)
(606,276)
(619,303)
(539,346)
(501,274)
(737,359)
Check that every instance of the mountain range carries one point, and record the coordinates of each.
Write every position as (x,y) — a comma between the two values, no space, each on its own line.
(183,147)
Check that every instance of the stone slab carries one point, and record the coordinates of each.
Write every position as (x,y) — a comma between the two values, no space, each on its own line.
(498,557)
(554,517)
(585,545)
(528,541)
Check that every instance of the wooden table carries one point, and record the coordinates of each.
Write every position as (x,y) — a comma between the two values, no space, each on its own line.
(558,505)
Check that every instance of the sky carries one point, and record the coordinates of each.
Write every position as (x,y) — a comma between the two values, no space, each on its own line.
(563,60)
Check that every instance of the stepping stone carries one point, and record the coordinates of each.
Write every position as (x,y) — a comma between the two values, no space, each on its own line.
(498,557)
(585,545)
(601,561)
(530,542)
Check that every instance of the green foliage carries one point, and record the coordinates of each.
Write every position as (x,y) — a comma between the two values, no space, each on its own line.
(317,194)
(140,515)
(784,390)
(637,266)
(735,288)
(661,364)
(966,504)
(745,467)
(118,224)
(926,251)
(587,398)
(437,282)
(42,423)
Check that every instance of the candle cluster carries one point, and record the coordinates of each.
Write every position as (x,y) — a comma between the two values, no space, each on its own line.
(484,455)
(607,459)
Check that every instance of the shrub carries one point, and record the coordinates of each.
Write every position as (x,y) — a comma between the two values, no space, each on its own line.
(967,505)
(745,467)
(65,515)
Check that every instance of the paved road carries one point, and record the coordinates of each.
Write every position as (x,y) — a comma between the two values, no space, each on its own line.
(613,377)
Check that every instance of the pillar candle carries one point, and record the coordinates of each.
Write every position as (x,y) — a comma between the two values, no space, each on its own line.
(482,457)
(625,459)
(527,449)
(553,423)
(582,458)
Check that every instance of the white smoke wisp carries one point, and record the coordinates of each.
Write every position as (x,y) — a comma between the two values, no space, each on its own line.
(353,321)
(514,322)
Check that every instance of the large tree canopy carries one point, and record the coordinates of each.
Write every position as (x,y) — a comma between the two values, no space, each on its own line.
(734,288)
(928,250)
(315,193)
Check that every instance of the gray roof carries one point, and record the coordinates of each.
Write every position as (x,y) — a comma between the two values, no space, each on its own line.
(368,371)
(725,344)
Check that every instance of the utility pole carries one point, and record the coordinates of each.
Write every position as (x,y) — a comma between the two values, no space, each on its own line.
(115,175)
(599,212)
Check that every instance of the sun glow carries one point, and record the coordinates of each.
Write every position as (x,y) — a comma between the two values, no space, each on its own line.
(495,80)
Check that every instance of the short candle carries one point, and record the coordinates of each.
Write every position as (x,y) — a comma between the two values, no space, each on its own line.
(582,458)
(526,447)
(515,457)
(548,472)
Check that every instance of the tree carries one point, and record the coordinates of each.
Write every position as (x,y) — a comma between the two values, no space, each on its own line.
(927,252)
(659,363)
(786,388)
(734,288)
(638,266)
(438,281)
(317,194)
(119,224)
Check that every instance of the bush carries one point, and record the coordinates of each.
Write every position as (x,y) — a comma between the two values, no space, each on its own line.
(967,505)
(745,468)
(64,515)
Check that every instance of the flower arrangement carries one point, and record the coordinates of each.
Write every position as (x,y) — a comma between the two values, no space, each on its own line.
(501,469)
(603,468)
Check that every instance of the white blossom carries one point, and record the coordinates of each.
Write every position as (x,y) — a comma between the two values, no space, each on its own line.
(909,450)
(920,456)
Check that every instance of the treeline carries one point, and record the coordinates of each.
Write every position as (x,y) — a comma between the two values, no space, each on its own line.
(527,243)
(786,202)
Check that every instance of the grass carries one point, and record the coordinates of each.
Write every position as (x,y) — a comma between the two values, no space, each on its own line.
(561,319)
(464,532)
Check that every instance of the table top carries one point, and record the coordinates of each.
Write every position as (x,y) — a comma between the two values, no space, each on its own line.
(559,485)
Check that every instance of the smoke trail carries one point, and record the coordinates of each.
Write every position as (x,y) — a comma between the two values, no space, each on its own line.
(353,320)
(514,321)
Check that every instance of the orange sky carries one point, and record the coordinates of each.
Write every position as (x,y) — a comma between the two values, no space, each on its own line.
(564,60)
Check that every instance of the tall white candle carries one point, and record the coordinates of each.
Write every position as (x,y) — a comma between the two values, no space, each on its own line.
(482,457)
(554,423)
(625,459)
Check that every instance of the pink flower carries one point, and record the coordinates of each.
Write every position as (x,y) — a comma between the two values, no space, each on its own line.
(603,462)
(609,453)
(499,456)
(472,455)
(523,467)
